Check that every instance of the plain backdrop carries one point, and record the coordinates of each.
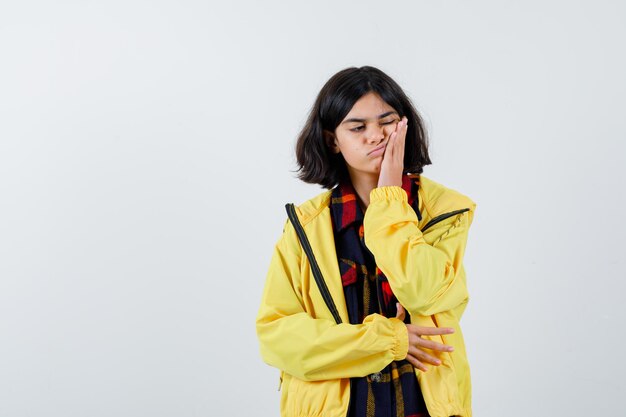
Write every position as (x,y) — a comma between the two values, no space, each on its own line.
(146,155)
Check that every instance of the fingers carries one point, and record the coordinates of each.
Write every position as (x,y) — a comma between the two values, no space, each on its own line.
(392,163)
(401,314)
(423,356)
(429,331)
(418,360)
(432,345)
(415,333)
(418,342)
(389,148)
(401,125)
(416,354)
(398,148)
(416,363)
(419,357)
(396,139)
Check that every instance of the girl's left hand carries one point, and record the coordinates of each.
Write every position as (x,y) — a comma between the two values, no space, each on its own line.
(416,354)
(392,164)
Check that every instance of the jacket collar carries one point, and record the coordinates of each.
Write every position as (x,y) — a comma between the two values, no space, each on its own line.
(344,206)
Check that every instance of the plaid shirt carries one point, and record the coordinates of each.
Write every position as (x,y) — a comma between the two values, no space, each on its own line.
(394,391)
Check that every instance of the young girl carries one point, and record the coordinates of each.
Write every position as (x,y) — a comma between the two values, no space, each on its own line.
(382,337)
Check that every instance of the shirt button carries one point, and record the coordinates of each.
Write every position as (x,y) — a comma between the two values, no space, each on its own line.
(375,377)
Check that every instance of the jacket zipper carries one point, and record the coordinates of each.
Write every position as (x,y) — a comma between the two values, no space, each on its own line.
(317,274)
(442,217)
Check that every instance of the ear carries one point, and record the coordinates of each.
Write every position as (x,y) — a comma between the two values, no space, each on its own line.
(331,141)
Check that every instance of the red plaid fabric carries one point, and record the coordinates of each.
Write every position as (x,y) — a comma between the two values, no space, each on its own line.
(394,391)
(347,214)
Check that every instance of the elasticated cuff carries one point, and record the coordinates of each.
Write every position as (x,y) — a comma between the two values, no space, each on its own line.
(401,348)
(388,192)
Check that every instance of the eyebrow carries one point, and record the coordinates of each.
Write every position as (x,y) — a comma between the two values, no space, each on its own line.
(382,116)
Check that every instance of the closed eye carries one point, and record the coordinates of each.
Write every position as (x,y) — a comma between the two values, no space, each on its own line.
(360,128)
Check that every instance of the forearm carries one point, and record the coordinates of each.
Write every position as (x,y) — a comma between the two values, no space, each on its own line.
(311,348)
(319,349)
(425,272)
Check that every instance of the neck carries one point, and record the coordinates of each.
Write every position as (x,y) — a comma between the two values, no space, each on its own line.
(363,184)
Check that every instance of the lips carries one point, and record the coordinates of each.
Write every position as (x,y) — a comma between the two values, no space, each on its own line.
(378,148)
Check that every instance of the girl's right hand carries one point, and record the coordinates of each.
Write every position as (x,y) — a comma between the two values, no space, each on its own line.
(416,356)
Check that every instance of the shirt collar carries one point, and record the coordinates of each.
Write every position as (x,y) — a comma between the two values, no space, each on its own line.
(345,208)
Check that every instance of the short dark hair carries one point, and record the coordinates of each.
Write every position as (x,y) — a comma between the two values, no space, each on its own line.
(316,163)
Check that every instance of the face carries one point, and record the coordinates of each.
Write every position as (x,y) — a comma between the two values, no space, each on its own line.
(365,128)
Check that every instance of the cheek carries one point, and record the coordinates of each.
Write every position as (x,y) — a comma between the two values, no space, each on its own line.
(351,155)
(389,129)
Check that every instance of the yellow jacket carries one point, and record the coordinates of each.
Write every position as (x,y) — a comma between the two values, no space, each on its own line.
(423,262)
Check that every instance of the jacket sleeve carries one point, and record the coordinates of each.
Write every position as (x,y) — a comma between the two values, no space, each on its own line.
(427,278)
(318,348)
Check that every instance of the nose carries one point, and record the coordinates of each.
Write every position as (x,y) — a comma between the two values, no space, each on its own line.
(376,134)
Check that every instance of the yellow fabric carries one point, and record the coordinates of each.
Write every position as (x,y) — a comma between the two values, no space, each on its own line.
(298,335)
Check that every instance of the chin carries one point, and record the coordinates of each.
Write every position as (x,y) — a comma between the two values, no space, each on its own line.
(368,170)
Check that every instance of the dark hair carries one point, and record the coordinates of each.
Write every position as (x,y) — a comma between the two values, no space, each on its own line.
(316,163)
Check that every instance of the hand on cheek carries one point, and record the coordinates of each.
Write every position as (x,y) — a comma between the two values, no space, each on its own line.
(392,163)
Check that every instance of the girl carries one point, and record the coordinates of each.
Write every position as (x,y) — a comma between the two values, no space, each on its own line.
(382,336)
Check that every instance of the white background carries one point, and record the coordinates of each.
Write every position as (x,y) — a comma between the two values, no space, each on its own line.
(146,154)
